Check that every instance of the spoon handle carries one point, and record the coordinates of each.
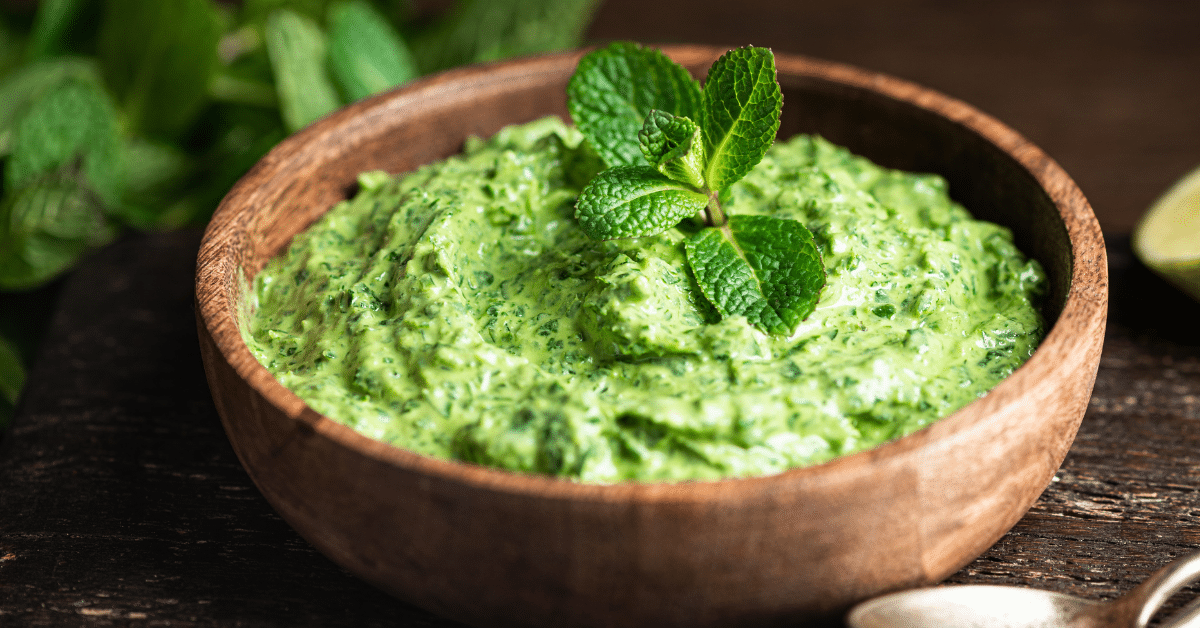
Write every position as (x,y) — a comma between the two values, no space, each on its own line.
(1189,617)
(1140,604)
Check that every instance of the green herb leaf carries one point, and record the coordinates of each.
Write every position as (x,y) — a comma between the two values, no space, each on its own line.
(19,90)
(241,136)
(12,380)
(12,373)
(257,11)
(46,226)
(674,146)
(615,88)
(766,269)
(50,24)
(12,47)
(634,201)
(297,49)
(366,55)
(156,173)
(73,121)
(742,102)
(485,30)
(158,58)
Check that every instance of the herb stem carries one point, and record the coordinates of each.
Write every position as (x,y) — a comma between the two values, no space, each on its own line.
(713,214)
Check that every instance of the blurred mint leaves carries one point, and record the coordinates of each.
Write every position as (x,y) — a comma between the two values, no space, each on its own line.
(673,149)
(141,114)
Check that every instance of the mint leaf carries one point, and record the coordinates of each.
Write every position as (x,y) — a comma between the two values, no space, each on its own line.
(741,106)
(634,201)
(73,121)
(50,25)
(297,48)
(486,30)
(156,173)
(615,88)
(12,373)
(366,55)
(665,137)
(766,269)
(674,146)
(26,85)
(46,226)
(159,57)
(257,11)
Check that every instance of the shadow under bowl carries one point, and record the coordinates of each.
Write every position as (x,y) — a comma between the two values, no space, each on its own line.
(489,547)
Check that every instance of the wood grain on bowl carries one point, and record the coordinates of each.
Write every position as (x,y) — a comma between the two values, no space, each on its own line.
(490,547)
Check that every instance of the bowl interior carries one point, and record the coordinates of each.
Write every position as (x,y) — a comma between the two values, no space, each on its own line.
(989,182)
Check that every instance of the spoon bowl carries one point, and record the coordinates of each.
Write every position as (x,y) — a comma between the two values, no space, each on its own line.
(971,606)
(993,606)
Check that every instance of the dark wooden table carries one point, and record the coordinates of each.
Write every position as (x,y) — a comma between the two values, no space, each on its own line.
(121,502)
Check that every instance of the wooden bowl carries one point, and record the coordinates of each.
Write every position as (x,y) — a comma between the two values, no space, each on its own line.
(492,548)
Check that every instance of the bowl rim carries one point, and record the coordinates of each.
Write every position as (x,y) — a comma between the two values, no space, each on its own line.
(1085,304)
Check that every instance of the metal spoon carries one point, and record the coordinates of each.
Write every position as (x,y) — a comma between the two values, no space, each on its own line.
(987,606)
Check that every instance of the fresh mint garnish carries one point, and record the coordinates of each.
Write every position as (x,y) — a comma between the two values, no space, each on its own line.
(673,145)
(760,267)
(673,149)
(615,88)
(742,101)
(633,201)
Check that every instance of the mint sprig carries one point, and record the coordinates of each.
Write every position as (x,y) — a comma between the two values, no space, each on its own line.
(673,149)
(674,145)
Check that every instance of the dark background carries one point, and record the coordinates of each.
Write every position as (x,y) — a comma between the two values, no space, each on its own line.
(122,504)
(1109,89)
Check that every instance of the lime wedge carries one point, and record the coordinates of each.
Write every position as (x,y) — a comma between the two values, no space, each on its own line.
(1167,239)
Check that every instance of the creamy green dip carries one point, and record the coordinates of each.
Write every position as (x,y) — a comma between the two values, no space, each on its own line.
(457,311)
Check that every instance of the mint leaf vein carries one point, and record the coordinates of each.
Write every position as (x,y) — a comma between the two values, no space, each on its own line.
(615,88)
(764,268)
(741,105)
(632,201)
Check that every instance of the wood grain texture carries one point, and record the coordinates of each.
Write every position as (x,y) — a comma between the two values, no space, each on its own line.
(494,548)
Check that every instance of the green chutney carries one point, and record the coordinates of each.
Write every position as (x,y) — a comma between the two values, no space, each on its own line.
(457,311)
